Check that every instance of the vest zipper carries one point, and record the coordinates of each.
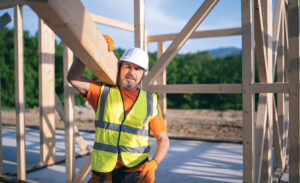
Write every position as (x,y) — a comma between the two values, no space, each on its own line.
(125,115)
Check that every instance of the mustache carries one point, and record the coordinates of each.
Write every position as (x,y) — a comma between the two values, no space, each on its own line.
(130,76)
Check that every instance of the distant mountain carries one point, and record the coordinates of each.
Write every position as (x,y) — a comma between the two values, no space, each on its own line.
(222,52)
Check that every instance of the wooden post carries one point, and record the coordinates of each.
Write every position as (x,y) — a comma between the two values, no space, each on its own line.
(268,143)
(139,24)
(248,96)
(281,96)
(294,78)
(46,93)
(162,80)
(19,91)
(69,118)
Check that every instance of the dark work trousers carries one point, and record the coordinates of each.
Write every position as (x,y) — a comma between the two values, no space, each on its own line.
(116,176)
(119,176)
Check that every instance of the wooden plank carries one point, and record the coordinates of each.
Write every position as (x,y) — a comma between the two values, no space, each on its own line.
(294,78)
(10,3)
(198,34)
(281,96)
(195,88)
(277,21)
(84,171)
(69,117)
(112,22)
(277,142)
(286,45)
(47,93)
(19,91)
(181,38)
(139,24)
(4,20)
(162,80)
(60,110)
(219,88)
(261,52)
(285,126)
(260,131)
(266,7)
(248,71)
(270,88)
(73,24)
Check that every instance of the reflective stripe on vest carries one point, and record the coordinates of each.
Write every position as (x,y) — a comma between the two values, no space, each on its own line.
(106,148)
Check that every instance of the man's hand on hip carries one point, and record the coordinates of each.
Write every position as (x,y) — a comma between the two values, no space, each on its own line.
(147,172)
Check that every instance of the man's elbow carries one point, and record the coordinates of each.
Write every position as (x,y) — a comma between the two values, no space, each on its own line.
(70,78)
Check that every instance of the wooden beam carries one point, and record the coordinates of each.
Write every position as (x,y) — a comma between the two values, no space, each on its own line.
(294,78)
(267,163)
(19,91)
(181,38)
(47,93)
(60,110)
(248,71)
(139,24)
(260,131)
(261,52)
(286,45)
(218,88)
(270,88)
(84,171)
(280,159)
(10,3)
(4,20)
(69,117)
(277,21)
(195,88)
(281,109)
(112,22)
(198,34)
(73,24)
(162,80)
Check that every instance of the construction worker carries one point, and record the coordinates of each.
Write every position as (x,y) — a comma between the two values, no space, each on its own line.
(125,115)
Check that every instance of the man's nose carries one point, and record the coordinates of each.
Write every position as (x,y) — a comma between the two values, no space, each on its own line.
(131,70)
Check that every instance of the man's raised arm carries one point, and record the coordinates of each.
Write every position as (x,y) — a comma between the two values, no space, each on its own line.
(76,79)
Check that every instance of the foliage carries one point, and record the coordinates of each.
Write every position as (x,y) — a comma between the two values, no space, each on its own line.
(200,67)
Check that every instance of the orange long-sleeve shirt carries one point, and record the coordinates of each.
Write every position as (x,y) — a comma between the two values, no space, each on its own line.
(157,125)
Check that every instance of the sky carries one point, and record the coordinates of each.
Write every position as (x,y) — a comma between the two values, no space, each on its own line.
(161,17)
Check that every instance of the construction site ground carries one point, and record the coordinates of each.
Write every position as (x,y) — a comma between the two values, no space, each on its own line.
(182,123)
(186,161)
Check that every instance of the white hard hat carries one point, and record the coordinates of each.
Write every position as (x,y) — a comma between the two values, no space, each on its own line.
(136,56)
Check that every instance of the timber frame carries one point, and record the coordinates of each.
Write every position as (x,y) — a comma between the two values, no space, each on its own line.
(276,44)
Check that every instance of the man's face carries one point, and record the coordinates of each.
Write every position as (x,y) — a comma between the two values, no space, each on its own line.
(130,76)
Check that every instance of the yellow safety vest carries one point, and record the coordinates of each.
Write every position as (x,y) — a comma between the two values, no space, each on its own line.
(117,133)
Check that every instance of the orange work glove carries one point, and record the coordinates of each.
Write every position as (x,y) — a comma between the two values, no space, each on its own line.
(110,43)
(147,172)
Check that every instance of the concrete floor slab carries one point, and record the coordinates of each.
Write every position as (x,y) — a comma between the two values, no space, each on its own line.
(186,161)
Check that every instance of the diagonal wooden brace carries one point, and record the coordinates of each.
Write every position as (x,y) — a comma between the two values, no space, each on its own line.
(60,110)
(179,41)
